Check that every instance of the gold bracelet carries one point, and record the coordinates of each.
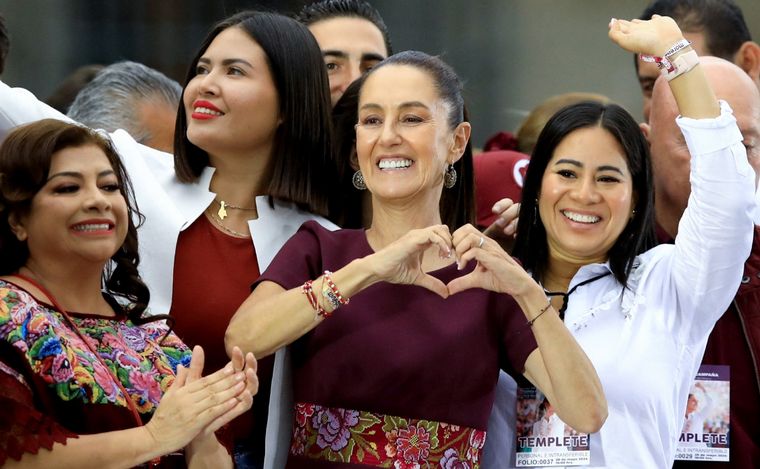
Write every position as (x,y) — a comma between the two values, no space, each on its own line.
(543,310)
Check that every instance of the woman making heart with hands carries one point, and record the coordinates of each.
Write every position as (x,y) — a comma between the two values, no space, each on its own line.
(379,362)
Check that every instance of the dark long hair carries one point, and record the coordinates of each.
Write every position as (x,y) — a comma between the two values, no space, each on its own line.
(25,158)
(638,235)
(302,146)
(457,204)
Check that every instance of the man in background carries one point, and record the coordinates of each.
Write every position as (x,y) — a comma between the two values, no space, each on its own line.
(735,339)
(352,36)
(714,27)
(130,96)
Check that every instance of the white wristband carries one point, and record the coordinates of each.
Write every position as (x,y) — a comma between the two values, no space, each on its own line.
(681,64)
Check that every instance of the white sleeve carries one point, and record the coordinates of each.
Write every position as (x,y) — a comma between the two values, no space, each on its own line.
(18,106)
(715,233)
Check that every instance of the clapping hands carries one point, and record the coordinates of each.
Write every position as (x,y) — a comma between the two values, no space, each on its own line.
(195,406)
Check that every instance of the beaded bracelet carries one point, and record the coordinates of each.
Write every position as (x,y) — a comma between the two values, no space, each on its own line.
(307,290)
(333,294)
(543,310)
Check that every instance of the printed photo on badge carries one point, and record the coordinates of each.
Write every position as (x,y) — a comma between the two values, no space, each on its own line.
(543,439)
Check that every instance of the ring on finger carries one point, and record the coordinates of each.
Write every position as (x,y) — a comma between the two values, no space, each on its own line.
(482,240)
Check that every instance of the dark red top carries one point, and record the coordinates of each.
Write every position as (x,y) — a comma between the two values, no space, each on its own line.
(213,273)
(397,349)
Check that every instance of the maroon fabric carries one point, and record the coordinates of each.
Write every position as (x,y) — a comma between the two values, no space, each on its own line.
(735,341)
(213,273)
(498,175)
(397,349)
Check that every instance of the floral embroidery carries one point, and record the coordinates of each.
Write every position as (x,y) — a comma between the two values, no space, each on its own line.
(378,440)
(57,354)
(334,427)
(450,460)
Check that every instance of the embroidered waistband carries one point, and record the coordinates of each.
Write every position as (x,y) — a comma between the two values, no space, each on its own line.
(359,437)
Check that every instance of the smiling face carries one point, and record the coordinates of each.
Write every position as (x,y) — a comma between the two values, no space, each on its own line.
(79,214)
(403,139)
(351,46)
(586,196)
(232,102)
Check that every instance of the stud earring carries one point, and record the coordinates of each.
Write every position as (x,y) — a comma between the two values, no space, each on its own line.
(450,177)
(358,181)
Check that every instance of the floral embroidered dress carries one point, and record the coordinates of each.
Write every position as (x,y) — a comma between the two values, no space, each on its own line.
(53,388)
(399,377)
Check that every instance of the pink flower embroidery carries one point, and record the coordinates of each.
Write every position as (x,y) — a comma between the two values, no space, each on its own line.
(398,464)
(413,444)
(390,447)
(477,441)
(62,369)
(334,427)
(298,446)
(303,412)
(145,386)
(105,380)
(450,460)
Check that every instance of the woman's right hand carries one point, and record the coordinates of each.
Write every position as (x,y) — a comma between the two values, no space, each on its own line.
(190,408)
(651,37)
(401,261)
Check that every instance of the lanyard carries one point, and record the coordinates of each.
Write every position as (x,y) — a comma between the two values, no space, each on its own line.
(566,296)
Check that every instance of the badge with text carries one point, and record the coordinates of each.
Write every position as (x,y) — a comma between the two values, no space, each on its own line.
(542,438)
(705,434)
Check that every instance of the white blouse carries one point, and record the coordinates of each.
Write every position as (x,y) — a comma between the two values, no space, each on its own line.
(647,341)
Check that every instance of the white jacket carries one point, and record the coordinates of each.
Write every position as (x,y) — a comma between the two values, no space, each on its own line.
(170,206)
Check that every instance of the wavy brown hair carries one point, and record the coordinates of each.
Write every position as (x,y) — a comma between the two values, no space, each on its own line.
(25,158)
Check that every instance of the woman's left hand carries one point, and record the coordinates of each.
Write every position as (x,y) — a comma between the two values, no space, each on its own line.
(496,270)
(651,37)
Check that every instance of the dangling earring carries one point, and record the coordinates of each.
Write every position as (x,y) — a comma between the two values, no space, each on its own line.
(535,213)
(358,181)
(450,177)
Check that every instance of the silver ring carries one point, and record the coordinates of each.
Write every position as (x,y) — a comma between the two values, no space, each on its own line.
(480,244)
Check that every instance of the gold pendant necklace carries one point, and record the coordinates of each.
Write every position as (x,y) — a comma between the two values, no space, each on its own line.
(217,222)
(223,206)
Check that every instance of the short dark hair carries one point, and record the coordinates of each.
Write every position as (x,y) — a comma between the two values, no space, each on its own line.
(721,22)
(531,245)
(5,43)
(327,9)
(25,158)
(302,146)
(457,204)
(111,100)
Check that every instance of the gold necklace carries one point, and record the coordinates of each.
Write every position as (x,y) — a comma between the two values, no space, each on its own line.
(223,206)
(217,222)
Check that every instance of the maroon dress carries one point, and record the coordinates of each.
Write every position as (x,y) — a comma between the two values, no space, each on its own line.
(399,377)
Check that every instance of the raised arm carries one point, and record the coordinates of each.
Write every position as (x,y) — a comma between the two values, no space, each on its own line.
(715,232)
(558,367)
(272,317)
(655,38)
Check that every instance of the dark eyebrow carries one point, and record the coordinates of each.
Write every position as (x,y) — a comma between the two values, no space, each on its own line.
(334,53)
(369,56)
(580,165)
(227,62)
(77,175)
(403,105)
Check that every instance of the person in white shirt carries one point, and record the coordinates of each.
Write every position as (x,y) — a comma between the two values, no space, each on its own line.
(586,235)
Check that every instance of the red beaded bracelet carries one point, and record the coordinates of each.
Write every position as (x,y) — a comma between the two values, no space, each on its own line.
(307,290)
(328,278)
